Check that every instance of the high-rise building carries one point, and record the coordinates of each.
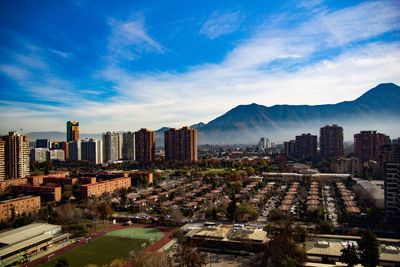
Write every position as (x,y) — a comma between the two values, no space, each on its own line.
(42,143)
(290,148)
(112,143)
(39,154)
(16,155)
(392,181)
(74,150)
(2,160)
(306,146)
(91,150)
(181,144)
(331,141)
(72,131)
(367,144)
(57,154)
(396,141)
(128,146)
(264,144)
(61,145)
(145,147)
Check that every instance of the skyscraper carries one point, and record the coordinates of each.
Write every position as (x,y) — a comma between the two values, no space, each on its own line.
(74,150)
(111,146)
(264,144)
(128,146)
(72,131)
(290,148)
(306,146)
(16,155)
(91,150)
(42,143)
(2,160)
(180,145)
(145,146)
(391,160)
(367,144)
(331,141)
(39,154)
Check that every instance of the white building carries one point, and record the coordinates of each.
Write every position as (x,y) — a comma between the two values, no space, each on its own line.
(264,144)
(112,146)
(57,154)
(39,154)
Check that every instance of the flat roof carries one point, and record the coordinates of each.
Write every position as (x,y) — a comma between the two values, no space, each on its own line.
(26,232)
(16,199)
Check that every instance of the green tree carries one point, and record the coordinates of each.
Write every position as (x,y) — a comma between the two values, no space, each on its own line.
(368,246)
(186,256)
(62,262)
(104,209)
(349,256)
(283,250)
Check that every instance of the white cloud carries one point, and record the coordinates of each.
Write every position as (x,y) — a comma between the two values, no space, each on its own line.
(247,74)
(130,38)
(219,24)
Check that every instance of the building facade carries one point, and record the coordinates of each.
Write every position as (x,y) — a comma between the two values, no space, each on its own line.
(91,150)
(181,144)
(2,160)
(107,186)
(128,146)
(42,143)
(290,148)
(306,146)
(16,207)
(352,166)
(57,154)
(16,151)
(74,150)
(112,144)
(368,143)
(39,154)
(72,131)
(392,182)
(145,146)
(331,141)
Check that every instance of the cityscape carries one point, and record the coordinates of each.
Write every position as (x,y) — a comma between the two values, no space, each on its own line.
(138,134)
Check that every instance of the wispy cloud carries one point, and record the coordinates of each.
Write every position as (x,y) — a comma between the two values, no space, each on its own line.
(129,39)
(329,57)
(219,24)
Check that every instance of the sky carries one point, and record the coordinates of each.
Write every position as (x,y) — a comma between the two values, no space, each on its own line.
(125,65)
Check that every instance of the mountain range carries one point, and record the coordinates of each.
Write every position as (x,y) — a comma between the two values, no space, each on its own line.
(377,109)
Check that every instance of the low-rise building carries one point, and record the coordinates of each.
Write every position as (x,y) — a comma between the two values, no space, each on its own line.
(107,186)
(23,242)
(46,193)
(18,206)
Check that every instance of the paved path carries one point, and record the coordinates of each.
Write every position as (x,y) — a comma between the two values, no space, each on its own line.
(154,247)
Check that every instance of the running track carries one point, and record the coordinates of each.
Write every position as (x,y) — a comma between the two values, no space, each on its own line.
(154,247)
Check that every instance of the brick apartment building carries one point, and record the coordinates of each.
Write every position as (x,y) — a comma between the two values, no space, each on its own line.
(46,193)
(107,186)
(18,206)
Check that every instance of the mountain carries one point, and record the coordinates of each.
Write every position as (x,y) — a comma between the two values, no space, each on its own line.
(379,108)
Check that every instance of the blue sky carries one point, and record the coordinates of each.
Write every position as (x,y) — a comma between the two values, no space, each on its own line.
(123,65)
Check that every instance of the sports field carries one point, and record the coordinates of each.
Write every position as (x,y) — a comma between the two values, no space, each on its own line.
(116,244)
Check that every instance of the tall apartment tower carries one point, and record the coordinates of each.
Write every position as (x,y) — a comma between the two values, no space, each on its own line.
(72,131)
(128,146)
(91,150)
(2,161)
(145,146)
(290,148)
(331,141)
(16,151)
(181,144)
(306,146)
(367,144)
(112,143)
(392,181)
(74,150)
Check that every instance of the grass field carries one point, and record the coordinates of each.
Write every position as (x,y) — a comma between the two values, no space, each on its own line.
(116,244)
(149,234)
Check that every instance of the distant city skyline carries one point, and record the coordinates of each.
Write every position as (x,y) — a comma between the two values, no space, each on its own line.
(124,66)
